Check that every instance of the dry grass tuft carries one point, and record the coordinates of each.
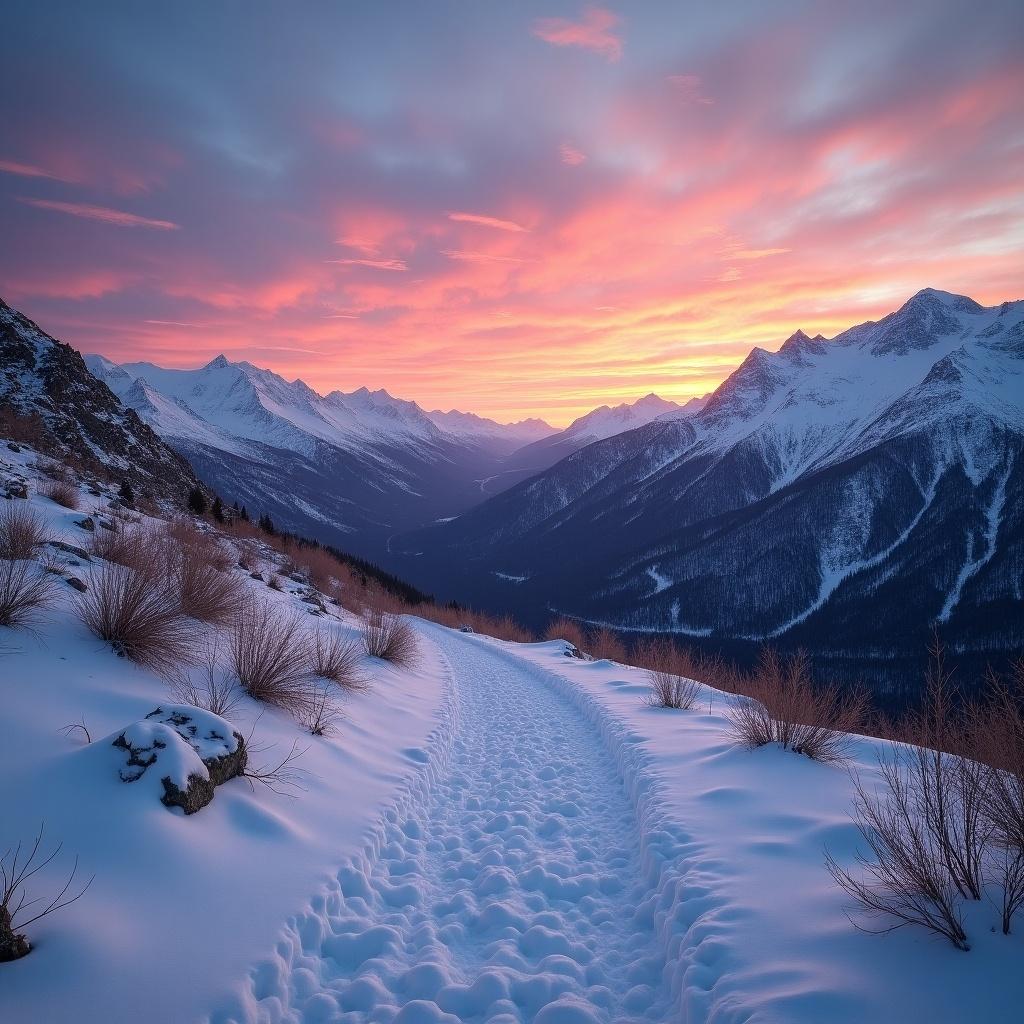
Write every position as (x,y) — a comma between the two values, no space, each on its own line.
(566,629)
(137,612)
(338,659)
(21,531)
(388,637)
(671,672)
(26,588)
(205,591)
(605,643)
(125,545)
(270,656)
(63,492)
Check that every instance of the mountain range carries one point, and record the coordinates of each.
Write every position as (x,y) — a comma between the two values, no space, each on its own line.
(353,469)
(841,495)
(838,494)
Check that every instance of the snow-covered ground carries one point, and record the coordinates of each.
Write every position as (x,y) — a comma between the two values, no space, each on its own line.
(504,834)
(180,906)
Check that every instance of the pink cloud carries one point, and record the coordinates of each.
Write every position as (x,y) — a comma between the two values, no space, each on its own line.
(104,214)
(570,155)
(592,32)
(27,170)
(479,257)
(488,222)
(383,264)
(690,89)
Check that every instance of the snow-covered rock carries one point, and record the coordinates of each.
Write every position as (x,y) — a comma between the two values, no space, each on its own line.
(189,750)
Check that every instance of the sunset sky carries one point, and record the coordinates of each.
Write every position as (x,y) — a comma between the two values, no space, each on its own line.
(511,208)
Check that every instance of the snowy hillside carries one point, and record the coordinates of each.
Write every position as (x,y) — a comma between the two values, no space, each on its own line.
(877,475)
(494,832)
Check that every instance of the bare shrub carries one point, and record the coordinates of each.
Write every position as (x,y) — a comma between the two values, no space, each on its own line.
(275,582)
(779,703)
(388,637)
(63,492)
(950,784)
(566,629)
(212,686)
(322,712)
(204,591)
(270,656)
(670,686)
(17,867)
(998,741)
(137,612)
(605,643)
(906,880)
(337,658)
(281,776)
(21,531)
(77,727)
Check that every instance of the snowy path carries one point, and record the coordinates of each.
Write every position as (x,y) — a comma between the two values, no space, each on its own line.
(514,892)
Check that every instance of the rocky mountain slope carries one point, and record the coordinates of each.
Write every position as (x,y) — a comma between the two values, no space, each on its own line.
(840,494)
(48,395)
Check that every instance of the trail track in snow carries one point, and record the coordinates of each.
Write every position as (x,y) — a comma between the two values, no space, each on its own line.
(513,888)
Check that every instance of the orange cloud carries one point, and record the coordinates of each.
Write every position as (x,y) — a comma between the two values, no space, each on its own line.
(592,32)
(104,214)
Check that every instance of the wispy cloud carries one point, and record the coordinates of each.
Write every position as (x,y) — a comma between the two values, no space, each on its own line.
(104,214)
(360,244)
(479,257)
(593,31)
(382,264)
(487,222)
(27,170)
(739,253)
(570,155)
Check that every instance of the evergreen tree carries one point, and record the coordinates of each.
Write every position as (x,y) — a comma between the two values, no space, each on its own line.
(244,514)
(197,503)
(217,509)
(266,524)
(126,494)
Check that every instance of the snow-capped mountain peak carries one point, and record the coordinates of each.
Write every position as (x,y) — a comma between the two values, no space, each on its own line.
(608,420)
